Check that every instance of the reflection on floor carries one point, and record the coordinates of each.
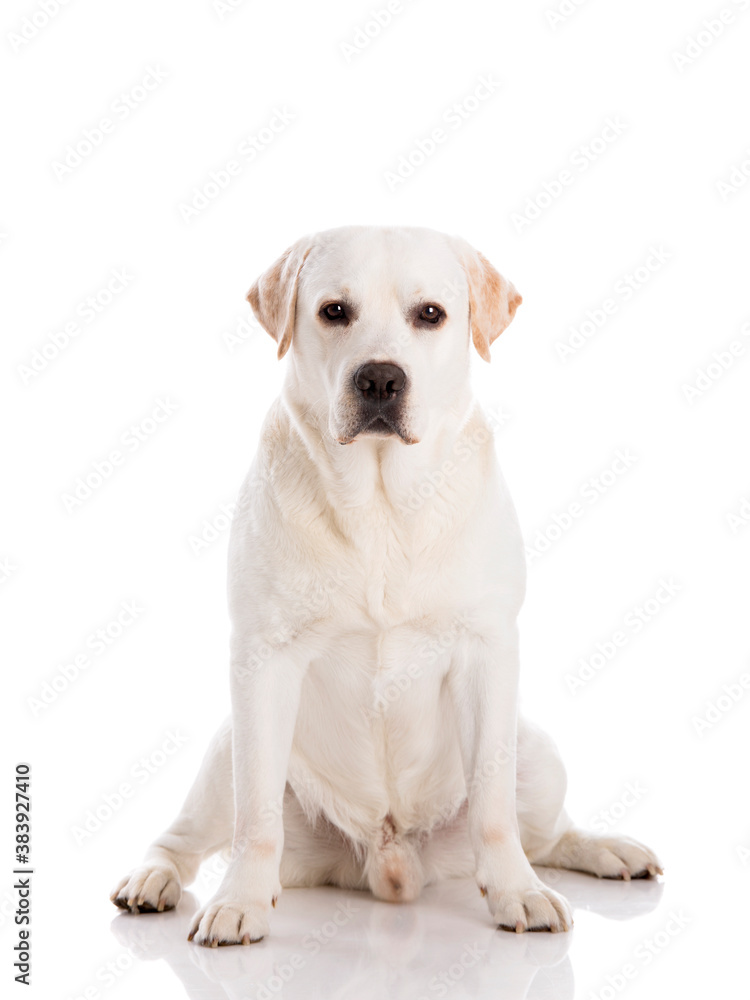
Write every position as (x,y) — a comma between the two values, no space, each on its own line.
(331,943)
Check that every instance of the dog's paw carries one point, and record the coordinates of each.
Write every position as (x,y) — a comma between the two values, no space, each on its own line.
(150,889)
(621,858)
(533,907)
(229,922)
(614,856)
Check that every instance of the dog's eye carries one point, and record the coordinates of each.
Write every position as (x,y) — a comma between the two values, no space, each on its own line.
(334,312)
(431,314)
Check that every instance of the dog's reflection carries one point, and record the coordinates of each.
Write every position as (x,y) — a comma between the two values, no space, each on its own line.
(331,943)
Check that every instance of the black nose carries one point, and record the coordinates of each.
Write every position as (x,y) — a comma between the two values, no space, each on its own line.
(380,381)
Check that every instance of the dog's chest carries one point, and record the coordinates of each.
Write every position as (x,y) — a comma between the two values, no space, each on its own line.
(397,570)
(375,727)
(379,683)
(385,556)
(375,730)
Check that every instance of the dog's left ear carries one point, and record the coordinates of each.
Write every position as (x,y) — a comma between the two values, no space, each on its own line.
(493,299)
(274,295)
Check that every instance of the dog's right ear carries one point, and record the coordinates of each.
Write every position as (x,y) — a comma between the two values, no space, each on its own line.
(274,295)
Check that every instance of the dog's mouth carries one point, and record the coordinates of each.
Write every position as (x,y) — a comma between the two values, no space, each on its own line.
(377,425)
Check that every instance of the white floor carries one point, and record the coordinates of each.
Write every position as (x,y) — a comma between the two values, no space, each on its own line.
(682,936)
(332,943)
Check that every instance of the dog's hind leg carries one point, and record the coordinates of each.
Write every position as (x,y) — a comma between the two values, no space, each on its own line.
(203,826)
(549,836)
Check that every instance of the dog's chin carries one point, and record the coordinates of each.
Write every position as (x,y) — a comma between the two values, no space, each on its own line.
(377,428)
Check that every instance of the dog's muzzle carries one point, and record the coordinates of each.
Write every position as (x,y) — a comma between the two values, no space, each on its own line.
(378,387)
(378,394)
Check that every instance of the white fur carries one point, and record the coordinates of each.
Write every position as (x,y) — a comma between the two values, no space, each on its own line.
(374,741)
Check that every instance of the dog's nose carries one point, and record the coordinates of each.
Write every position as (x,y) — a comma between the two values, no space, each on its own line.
(378,381)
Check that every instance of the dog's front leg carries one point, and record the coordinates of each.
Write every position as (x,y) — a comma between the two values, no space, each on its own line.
(265,698)
(483,681)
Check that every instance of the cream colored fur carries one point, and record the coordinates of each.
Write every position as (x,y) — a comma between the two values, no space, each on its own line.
(374,740)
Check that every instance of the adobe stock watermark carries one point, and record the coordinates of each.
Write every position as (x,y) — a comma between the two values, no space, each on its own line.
(624,290)
(34,23)
(715,369)
(579,162)
(736,179)
(267,825)
(212,528)
(85,313)
(112,801)
(743,853)
(223,8)
(562,12)
(388,687)
(396,339)
(242,329)
(129,442)
(646,952)
(310,945)
(716,711)
(432,483)
(440,984)
(316,600)
(636,619)
(605,819)
(119,111)
(7,569)
(97,642)
(707,33)
(107,975)
(364,33)
(246,152)
(740,518)
(213,870)
(503,756)
(452,120)
(590,492)
(8,904)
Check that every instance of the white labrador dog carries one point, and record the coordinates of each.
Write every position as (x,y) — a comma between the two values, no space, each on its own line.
(376,570)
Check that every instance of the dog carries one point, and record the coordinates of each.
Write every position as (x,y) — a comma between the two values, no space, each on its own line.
(376,572)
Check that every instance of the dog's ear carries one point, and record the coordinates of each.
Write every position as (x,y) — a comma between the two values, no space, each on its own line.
(274,295)
(493,299)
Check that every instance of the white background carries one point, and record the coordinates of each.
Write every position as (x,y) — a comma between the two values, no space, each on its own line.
(164,337)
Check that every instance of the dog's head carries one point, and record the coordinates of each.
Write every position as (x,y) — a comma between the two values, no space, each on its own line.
(380,322)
